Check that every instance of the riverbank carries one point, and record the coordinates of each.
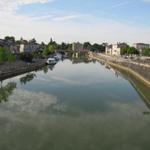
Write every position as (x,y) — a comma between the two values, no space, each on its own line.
(8,70)
(139,70)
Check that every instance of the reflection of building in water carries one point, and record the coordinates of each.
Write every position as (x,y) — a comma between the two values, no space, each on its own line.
(116,74)
(78,47)
(7,90)
(80,57)
(75,55)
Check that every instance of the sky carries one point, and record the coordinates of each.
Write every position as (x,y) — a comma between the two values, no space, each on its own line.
(95,21)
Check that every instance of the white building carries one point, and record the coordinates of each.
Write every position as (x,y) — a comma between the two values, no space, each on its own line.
(21,50)
(30,46)
(114,49)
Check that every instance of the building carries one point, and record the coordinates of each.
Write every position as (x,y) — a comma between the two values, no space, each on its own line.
(27,47)
(10,45)
(77,47)
(21,46)
(114,49)
(141,46)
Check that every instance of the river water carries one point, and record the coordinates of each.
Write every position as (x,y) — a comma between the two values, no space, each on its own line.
(74,105)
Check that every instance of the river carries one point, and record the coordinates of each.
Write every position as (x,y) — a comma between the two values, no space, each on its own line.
(74,105)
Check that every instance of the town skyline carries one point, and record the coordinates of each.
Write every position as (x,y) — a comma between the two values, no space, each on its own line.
(60,42)
(93,21)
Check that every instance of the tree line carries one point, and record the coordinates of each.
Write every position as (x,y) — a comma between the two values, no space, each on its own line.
(52,46)
(129,50)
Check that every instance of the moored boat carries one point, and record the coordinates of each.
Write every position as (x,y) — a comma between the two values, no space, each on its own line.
(51,61)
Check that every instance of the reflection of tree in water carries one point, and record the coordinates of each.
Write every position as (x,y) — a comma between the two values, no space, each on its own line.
(7,90)
(51,67)
(29,77)
(45,69)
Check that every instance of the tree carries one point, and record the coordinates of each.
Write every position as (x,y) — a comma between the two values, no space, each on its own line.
(124,49)
(7,90)
(10,38)
(146,52)
(98,47)
(87,45)
(11,57)
(63,46)
(6,55)
(46,51)
(132,50)
(2,54)
(29,77)
(49,49)
(28,57)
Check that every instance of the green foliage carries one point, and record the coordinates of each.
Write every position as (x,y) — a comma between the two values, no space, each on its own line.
(11,58)
(87,45)
(29,77)
(2,54)
(132,50)
(49,49)
(98,47)
(146,52)
(124,49)
(6,91)
(28,57)
(63,46)
(10,38)
(127,50)
(69,47)
(46,51)
(6,55)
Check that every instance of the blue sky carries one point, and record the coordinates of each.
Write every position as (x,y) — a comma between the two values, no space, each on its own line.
(135,11)
(77,20)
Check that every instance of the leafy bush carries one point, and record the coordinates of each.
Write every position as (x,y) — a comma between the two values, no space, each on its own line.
(6,55)
(28,57)
(146,52)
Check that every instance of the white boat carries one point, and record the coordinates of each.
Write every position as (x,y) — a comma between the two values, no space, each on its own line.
(51,61)
(58,57)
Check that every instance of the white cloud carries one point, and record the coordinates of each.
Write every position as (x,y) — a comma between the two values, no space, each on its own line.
(66,18)
(89,28)
(11,5)
(120,4)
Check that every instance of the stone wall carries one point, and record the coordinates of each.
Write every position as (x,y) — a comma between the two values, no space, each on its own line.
(8,70)
(141,70)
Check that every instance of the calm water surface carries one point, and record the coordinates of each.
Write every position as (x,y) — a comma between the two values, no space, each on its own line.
(73,106)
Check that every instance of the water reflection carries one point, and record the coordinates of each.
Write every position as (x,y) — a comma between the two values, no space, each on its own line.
(75,107)
(27,78)
(137,84)
(51,67)
(45,69)
(80,58)
(7,90)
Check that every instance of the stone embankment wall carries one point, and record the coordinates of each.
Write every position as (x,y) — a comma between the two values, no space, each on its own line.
(8,70)
(141,70)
